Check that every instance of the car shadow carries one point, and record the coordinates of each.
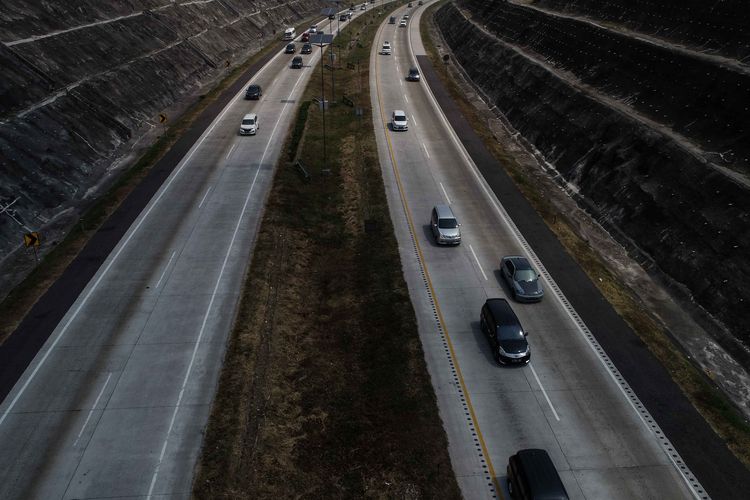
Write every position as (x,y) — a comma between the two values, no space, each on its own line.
(484,344)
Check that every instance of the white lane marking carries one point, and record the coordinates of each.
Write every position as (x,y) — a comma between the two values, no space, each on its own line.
(230,151)
(165,269)
(477,261)
(204,197)
(213,294)
(445,193)
(109,265)
(425,150)
(406,98)
(544,392)
(414,120)
(91,411)
(401,83)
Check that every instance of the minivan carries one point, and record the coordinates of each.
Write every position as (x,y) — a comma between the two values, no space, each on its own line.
(531,474)
(249,125)
(392,20)
(445,226)
(504,332)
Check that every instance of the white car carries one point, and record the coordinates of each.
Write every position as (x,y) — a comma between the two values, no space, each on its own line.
(399,121)
(402,24)
(386,49)
(249,125)
(313,29)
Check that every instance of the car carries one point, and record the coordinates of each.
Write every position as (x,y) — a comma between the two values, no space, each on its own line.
(445,226)
(249,125)
(402,24)
(253,92)
(343,17)
(313,29)
(531,474)
(331,16)
(364,6)
(290,48)
(420,2)
(410,5)
(297,62)
(522,279)
(399,121)
(406,16)
(507,338)
(306,49)
(413,75)
(386,48)
(305,37)
(351,7)
(392,20)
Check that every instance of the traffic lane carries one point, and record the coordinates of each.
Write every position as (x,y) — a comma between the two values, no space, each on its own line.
(455,270)
(61,477)
(704,452)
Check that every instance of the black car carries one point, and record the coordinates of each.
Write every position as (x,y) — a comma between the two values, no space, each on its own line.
(522,279)
(343,17)
(290,49)
(297,62)
(413,75)
(253,92)
(306,49)
(504,332)
(531,474)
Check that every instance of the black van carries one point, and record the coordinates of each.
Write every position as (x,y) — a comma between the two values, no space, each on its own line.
(505,333)
(532,475)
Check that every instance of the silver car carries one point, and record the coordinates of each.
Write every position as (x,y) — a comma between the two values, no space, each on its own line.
(445,226)
(522,279)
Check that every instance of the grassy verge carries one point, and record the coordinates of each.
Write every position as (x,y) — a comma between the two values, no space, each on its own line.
(324,391)
(715,407)
(21,299)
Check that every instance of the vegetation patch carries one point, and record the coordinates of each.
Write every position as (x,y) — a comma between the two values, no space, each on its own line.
(715,407)
(324,391)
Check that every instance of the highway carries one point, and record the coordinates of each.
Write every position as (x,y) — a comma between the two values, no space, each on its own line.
(570,400)
(115,402)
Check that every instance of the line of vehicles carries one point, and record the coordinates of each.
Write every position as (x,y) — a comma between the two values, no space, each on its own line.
(530,472)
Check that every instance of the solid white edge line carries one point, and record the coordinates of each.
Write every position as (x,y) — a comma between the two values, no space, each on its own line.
(557,417)
(204,197)
(500,210)
(165,268)
(213,294)
(91,411)
(230,151)
(478,264)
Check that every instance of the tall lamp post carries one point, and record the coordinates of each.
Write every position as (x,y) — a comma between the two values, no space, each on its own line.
(321,40)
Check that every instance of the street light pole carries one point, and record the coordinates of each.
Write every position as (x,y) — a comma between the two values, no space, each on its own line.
(323,103)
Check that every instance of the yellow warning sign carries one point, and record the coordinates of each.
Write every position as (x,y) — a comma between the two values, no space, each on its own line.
(32,239)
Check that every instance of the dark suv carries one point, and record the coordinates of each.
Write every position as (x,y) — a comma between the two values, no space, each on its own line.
(531,474)
(290,49)
(297,62)
(504,332)
(253,92)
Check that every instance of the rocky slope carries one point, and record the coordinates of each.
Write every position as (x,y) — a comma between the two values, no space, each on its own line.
(647,128)
(84,81)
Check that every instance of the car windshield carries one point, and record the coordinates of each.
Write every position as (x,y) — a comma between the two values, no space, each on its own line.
(525,275)
(448,223)
(512,332)
(413,72)
(399,118)
(248,121)
(253,88)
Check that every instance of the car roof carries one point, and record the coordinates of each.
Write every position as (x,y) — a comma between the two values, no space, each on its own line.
(541,474)
(414,69)
(502,311)
(249,116)
(253,86)
(444,212)
(399,112)
(519,261)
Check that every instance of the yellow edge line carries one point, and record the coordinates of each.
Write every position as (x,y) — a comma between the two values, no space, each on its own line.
(394,164)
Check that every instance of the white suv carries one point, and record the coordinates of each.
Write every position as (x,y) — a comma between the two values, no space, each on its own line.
(386,50)
(398,120)
(249,124)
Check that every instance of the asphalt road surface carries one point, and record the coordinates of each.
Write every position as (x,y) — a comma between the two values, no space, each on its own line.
(575,398)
